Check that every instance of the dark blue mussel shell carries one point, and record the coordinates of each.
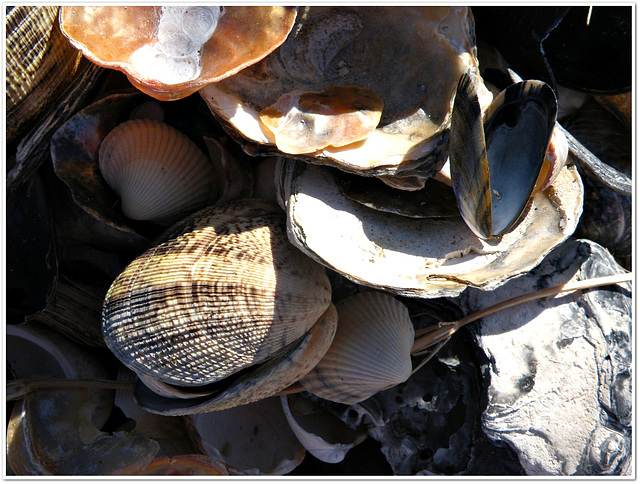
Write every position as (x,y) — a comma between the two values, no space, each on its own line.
(495,163)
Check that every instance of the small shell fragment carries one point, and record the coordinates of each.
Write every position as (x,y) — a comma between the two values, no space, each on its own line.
(370,352)
(304,122)
(322,434)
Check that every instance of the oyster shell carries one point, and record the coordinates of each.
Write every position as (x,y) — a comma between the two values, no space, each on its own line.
(364,47)
(222,292)
(171,52)
(418,257)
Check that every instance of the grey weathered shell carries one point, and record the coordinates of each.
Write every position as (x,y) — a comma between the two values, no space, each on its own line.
(224,290)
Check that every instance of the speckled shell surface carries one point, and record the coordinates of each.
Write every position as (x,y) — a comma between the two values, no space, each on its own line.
(222,290)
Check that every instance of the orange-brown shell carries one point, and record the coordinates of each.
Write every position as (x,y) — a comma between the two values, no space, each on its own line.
(110,35)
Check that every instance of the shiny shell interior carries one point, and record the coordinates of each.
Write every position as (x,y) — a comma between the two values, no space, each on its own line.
(496,163)
(361,46)
(170,52)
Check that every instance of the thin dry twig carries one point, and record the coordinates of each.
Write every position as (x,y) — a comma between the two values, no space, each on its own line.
(439,334)
(19,388)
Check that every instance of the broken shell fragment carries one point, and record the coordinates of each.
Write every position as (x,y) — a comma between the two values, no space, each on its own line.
(304,122)
(171,52)
(158,172)
(222,299)
(370,352)
(58,431)
(325,437)
(495,164)
(251,439)
(418,257)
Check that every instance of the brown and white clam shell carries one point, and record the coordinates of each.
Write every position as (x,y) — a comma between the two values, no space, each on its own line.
(223,291)
(40,63)
(370,352)
(158,172)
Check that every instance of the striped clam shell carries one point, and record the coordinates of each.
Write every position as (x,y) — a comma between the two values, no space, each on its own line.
(158,172)
(40,62)
(223,290)
(370,352)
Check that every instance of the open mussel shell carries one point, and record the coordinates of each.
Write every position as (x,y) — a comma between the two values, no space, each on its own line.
(224,300)
(171,52)
(436,257)
(358,47)
(370,352)
(495,164)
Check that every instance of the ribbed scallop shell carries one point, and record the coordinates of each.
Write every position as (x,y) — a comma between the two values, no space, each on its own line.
(157,171)
(370,352)
(223,290)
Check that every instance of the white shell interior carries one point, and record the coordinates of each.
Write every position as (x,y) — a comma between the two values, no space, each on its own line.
(418,257)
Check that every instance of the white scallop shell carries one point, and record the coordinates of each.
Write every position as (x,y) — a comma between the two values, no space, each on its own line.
(370,352)
(158,172)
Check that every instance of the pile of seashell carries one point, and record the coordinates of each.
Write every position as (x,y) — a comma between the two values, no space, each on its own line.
(221,210)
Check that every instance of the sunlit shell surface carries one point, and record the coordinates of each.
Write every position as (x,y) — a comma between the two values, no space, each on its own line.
(418,257)
(39,64)
(370,352)
(224,290)
(170,52)
(157,171)
(411,57)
